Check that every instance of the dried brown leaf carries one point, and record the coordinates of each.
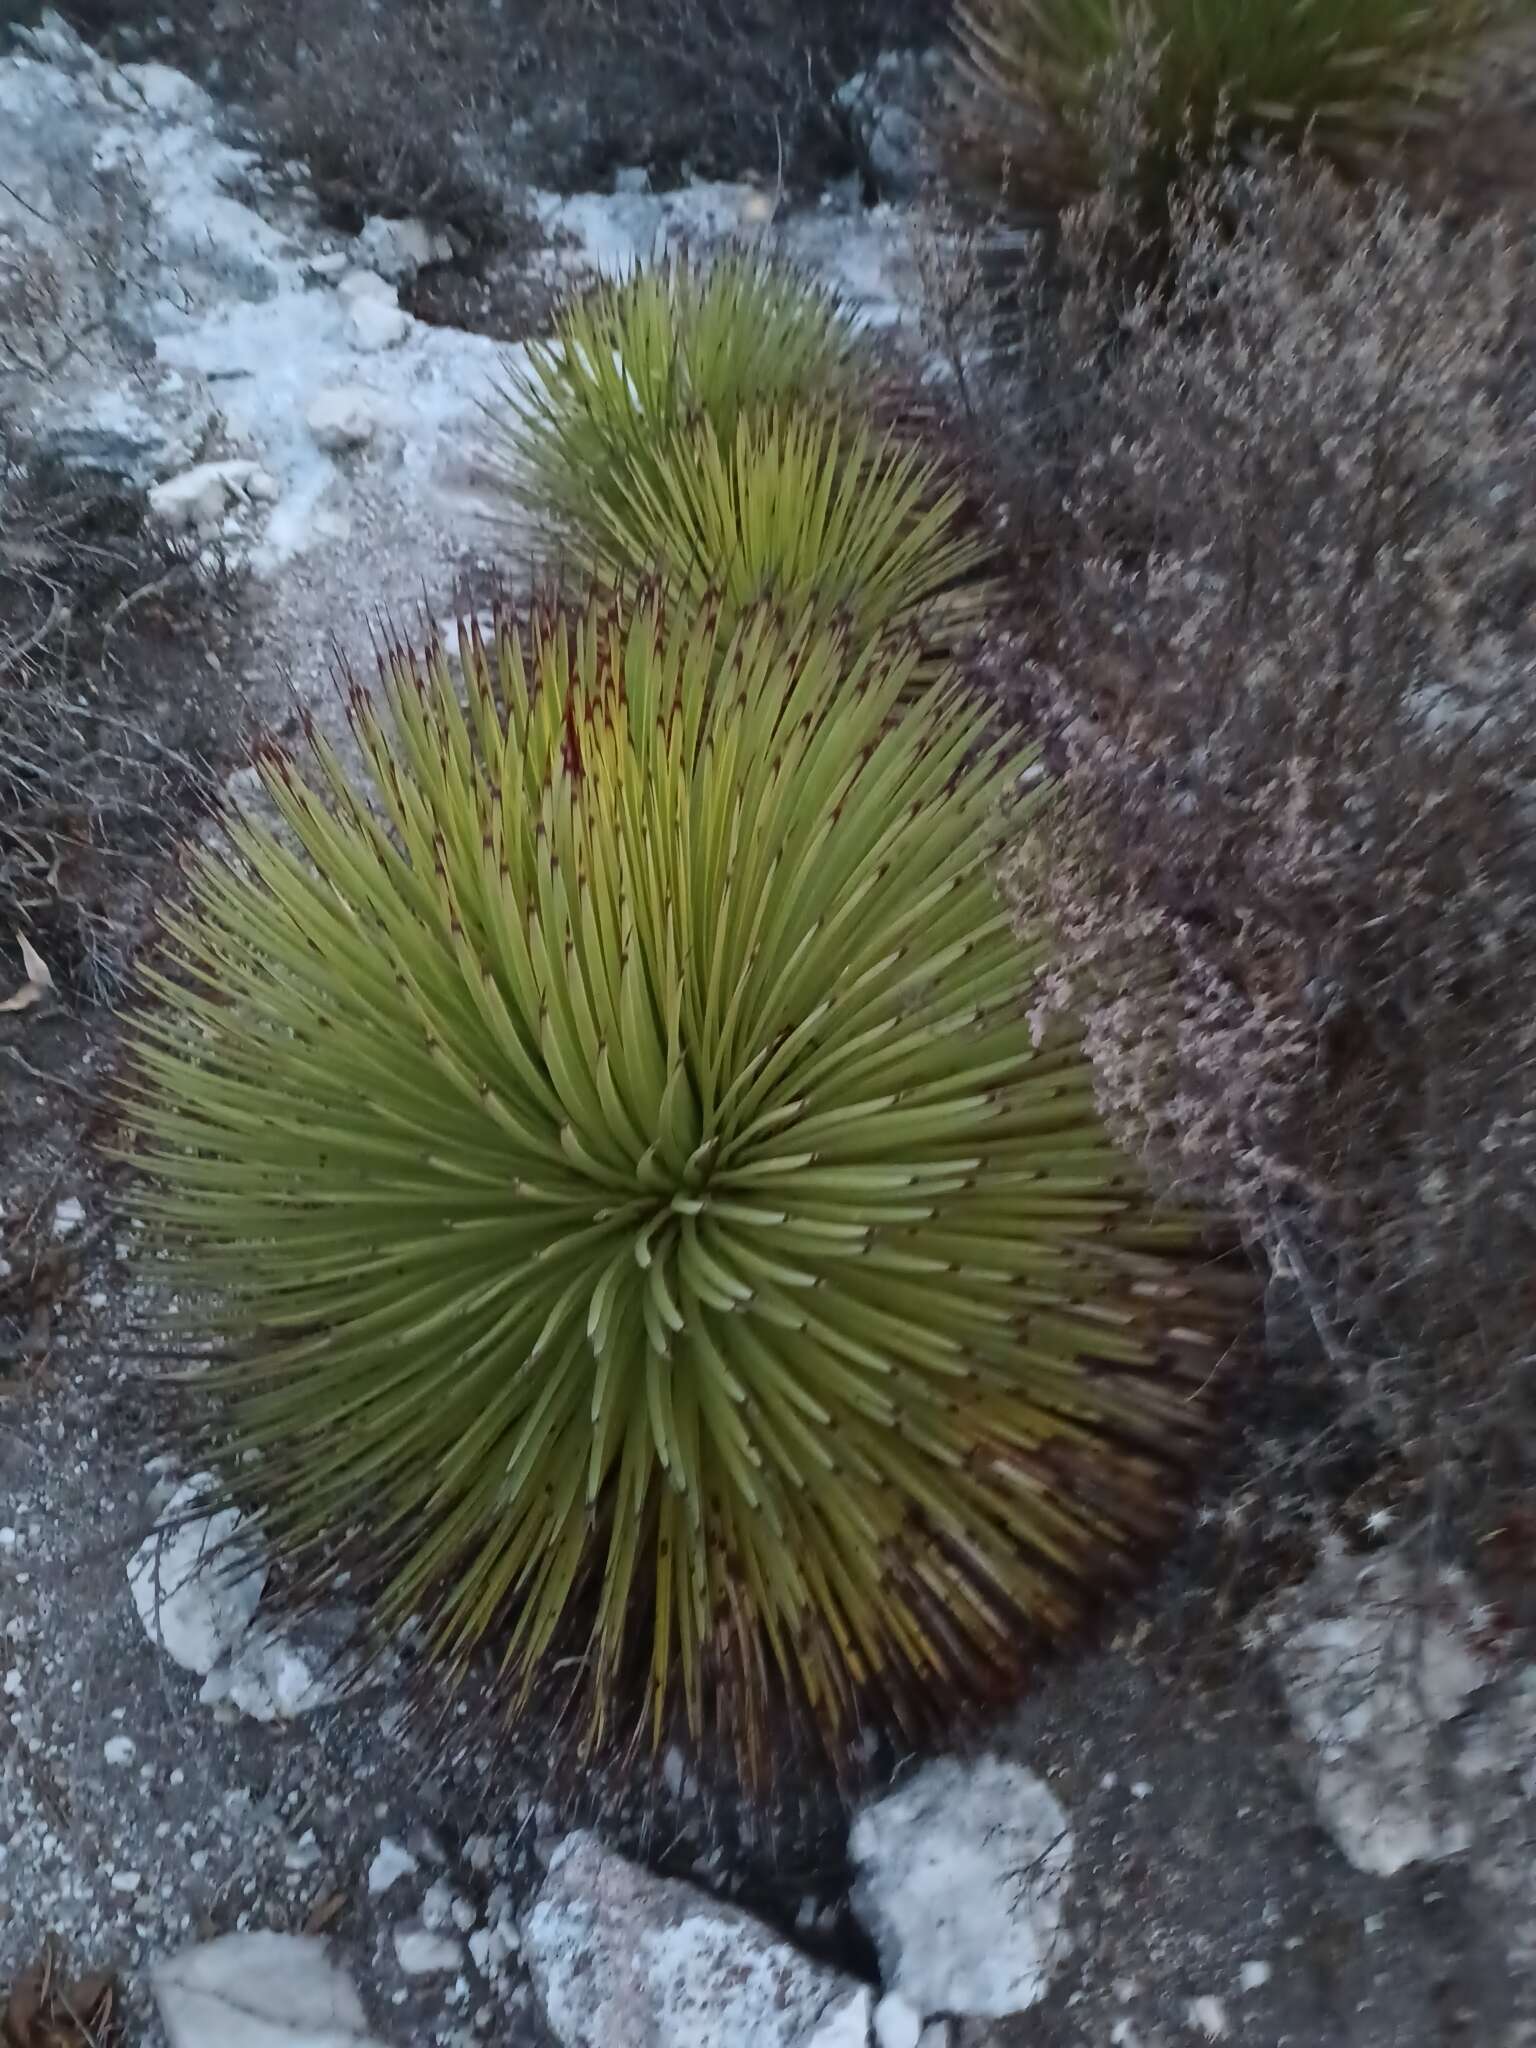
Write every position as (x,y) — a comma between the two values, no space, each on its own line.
(326,1909)
(45,2011)
(39,981)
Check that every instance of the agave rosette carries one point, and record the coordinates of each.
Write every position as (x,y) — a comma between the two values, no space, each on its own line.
(698,423)
(1347,78)
(674,346)
(811,514)
(611,1141)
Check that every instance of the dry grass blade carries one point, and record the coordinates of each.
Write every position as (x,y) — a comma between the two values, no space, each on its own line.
(39,981)
(46,2009)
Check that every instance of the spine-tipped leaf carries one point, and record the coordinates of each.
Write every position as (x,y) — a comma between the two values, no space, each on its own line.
(610,1138)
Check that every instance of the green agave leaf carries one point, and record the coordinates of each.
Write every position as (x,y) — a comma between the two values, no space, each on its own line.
(606,1133)
(810,511)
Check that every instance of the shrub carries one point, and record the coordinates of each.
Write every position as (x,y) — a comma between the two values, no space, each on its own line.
(1288,668)
(451,109)
(748,86)
(651,1236)
(108,721)
(1064,94)
(448,106)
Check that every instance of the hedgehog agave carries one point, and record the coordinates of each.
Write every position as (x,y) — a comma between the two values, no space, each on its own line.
(702,421)
(609,1141)
(680,344)
(1346,80)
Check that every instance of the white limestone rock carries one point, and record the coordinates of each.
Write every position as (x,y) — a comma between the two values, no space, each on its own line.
(962,1878)
(197,1580)
(374,324)
(1374,1665)
(398,249)
(622,1959)
(259,1991)
(342,417)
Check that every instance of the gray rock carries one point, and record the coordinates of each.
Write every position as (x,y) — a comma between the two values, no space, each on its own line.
(846,2025)
(890,108)
(897,2024)
(197,500)
(161,91)
(437,1907)
(421,1953)
(365,284)
(622,1959)
(259,1991)
(195,1582)
(1374,1666)
(493,1946)
(282,1673)
(390,1864)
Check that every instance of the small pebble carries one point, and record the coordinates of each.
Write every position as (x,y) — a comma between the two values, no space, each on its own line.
(391,1864)
(420,1953)
(437,1907)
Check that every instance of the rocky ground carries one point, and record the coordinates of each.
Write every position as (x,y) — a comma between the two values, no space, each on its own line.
(1308,1824)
